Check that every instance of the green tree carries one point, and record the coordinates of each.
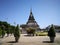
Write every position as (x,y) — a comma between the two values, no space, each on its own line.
(51,33)
(31,31)
(8,30)
(3,31)
(12,29)
(0,31)
(17,33)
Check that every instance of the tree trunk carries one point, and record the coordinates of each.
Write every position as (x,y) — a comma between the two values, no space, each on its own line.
(52,39)
(16,39)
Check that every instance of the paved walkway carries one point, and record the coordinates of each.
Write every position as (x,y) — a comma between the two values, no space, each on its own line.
(30,40)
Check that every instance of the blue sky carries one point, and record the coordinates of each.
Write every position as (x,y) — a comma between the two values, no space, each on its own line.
(45,12)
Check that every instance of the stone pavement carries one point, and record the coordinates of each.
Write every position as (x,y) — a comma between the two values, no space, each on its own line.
(29,40)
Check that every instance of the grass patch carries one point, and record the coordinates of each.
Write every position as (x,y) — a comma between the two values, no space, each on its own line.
(41,33)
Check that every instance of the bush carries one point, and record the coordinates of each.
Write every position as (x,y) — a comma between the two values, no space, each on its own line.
(31,31)
(17,33)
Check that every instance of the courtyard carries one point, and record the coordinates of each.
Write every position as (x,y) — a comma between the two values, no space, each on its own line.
(30,40)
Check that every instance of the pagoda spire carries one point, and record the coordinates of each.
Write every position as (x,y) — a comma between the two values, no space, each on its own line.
(31,10)
(31,17)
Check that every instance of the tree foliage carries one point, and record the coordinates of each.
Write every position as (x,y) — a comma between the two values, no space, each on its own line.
(9,29)
(30,31)
(16,33)
(51,32)
(0,31)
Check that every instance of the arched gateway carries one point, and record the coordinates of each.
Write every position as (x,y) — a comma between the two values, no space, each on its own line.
(30,23)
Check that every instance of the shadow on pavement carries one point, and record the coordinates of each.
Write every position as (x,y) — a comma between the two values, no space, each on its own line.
(28,35)
(12,42)
(47,42)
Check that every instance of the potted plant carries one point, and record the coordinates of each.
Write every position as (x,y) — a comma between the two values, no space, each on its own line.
(16,34)
(51,33)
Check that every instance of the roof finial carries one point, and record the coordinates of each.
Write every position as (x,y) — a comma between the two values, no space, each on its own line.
(31,10)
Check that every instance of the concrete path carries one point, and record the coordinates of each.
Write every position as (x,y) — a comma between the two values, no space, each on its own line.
(30,40)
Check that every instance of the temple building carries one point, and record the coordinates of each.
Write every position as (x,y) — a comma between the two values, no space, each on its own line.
(30,23)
